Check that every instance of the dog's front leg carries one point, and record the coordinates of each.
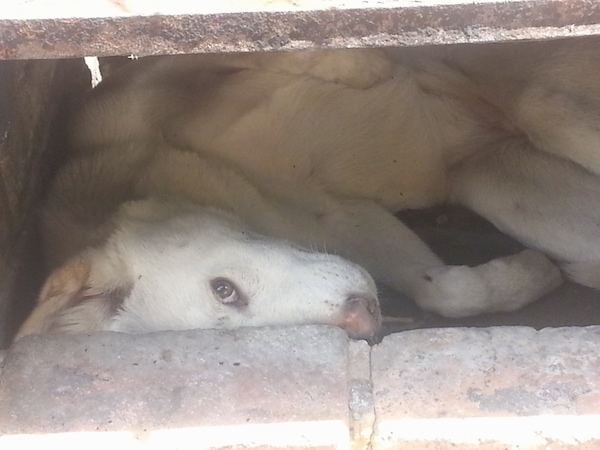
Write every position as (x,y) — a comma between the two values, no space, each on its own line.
(502,284)
(369,235)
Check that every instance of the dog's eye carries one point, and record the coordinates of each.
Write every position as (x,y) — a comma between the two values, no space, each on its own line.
(227,292)
(224,289)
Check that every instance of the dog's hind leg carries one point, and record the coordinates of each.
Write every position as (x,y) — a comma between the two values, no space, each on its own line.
(563,122)
(559,107)
(547,202)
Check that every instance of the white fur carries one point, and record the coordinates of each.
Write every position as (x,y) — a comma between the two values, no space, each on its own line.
(192,246)
(163,255)
(324,154)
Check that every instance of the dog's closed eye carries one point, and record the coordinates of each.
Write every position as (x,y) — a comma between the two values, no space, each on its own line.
(228,293)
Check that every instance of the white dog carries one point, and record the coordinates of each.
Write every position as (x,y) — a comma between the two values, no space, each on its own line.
(319,149)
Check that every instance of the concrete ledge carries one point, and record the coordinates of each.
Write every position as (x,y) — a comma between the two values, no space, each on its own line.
(60,29)
(201,389)
(501,387)
(305,387)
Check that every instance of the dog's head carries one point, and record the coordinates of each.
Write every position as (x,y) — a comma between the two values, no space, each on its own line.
(177,267)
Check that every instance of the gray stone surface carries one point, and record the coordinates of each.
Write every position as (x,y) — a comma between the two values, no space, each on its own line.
(491,387)
(59,29)
(305,387)
(262,387)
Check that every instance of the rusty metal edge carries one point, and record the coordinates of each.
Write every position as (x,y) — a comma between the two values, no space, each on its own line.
(268,31)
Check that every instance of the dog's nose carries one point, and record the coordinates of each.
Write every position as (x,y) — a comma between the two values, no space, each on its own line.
(361,318)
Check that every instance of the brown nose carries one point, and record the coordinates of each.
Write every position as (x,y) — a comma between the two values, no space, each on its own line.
(361,318)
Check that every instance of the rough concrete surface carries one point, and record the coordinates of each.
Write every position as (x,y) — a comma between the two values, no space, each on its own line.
(197,389)
(500,387)
(59,28)
(305,387)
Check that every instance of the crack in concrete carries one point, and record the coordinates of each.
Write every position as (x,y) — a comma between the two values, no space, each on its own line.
(374,411)
(360,397)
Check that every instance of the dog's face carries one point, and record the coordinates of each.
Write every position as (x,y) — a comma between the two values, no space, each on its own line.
(175,267)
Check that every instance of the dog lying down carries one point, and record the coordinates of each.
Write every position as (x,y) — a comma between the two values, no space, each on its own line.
(203,191)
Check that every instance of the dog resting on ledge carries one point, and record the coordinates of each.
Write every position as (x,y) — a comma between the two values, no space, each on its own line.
(220,191)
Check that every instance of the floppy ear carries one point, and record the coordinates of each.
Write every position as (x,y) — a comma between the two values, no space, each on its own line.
(69,304)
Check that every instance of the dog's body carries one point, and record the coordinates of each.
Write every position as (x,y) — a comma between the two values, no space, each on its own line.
(321,148)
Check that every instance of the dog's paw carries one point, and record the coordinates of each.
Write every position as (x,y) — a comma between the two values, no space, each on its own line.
(503,284)
(453,291)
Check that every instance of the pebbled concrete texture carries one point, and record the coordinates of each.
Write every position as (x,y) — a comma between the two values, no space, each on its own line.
(205,389)
(305,387)
(500,387)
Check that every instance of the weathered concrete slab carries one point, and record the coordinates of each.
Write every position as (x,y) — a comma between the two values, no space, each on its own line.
(510,387)
(305,387)
(197,389)
(63,28)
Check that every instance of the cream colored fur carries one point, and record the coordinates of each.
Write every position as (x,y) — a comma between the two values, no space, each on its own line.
(320,149)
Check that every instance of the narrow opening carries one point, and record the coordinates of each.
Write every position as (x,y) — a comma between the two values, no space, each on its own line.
(458,235)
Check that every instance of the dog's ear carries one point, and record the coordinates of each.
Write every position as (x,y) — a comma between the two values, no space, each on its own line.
(69,303)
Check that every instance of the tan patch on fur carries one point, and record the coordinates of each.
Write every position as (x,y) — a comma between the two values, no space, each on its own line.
(66,281)
(60,291)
